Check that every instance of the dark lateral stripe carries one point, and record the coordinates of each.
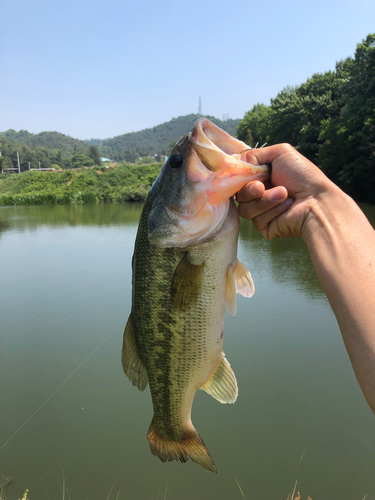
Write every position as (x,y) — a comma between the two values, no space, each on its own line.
(153,325)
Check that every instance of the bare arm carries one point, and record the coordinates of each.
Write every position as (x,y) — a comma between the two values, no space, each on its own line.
(339,238)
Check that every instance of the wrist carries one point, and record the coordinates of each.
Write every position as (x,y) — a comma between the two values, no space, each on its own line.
(329,213)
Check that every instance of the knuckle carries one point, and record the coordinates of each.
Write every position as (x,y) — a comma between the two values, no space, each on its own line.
(287,148)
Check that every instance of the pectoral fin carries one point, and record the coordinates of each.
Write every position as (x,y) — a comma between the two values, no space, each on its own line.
(186,283)
(223,384)
(243,281)
(131,362)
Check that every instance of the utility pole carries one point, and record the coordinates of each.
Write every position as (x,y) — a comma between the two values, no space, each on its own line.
(29,165)
(200,106)
(39,166)
(18,160)
(1,167)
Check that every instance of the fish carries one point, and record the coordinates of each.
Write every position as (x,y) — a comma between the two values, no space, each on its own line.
(185,275)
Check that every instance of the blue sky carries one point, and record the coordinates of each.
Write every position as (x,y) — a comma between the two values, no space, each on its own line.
(95,68)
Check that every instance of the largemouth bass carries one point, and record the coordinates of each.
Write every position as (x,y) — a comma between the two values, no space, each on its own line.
(185,275)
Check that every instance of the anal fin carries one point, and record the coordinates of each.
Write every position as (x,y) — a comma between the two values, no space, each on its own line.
(223,384)
(131,362)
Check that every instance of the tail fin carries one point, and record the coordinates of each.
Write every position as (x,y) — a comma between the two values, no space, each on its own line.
(191,446)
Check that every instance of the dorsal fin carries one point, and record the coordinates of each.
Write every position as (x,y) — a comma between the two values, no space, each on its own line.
(223,384)
(131,362)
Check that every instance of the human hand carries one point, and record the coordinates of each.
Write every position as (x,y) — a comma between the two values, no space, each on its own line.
(295,187)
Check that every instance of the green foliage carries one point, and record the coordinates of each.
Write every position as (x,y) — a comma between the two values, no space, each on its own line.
(256,125)
(124,183)
(47,140)
(330,119)
(80,160)
(145,159)
(95,155)
(299,111)
(34,155)
(347,153)
(95,142)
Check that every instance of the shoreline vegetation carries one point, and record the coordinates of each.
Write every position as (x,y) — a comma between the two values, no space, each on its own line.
(114,183)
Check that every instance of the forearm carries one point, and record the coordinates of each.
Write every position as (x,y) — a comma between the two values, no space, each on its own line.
(341,243)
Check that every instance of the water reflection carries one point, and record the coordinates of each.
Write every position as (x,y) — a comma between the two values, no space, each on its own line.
(32,217)
(286,260)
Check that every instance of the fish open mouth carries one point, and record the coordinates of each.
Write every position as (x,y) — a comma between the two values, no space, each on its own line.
(217,149)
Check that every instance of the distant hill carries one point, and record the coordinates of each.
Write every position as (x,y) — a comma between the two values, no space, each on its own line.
(48,140)
(47,149)
(54,148)
(155,140)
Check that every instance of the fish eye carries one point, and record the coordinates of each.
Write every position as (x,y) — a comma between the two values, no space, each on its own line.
(175,161)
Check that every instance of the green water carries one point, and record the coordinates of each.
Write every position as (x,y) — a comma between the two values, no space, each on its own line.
(65,286)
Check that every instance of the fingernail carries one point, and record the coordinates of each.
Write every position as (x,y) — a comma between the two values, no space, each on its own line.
(277,194)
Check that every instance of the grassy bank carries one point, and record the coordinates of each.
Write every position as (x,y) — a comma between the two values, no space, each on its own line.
(125,182)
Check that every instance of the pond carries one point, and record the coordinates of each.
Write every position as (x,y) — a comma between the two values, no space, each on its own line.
(68,412)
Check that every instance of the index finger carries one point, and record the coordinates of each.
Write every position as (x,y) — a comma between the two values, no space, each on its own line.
(250,191)
(268,154)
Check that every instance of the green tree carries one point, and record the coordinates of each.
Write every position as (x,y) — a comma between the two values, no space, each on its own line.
(298,112)
(347,153)
(80,160)
(130,155)
(256,125)
(95,155)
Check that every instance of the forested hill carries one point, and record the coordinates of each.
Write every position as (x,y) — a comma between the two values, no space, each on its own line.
(56,153)
(49,140)
(54,148)
(154,140)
